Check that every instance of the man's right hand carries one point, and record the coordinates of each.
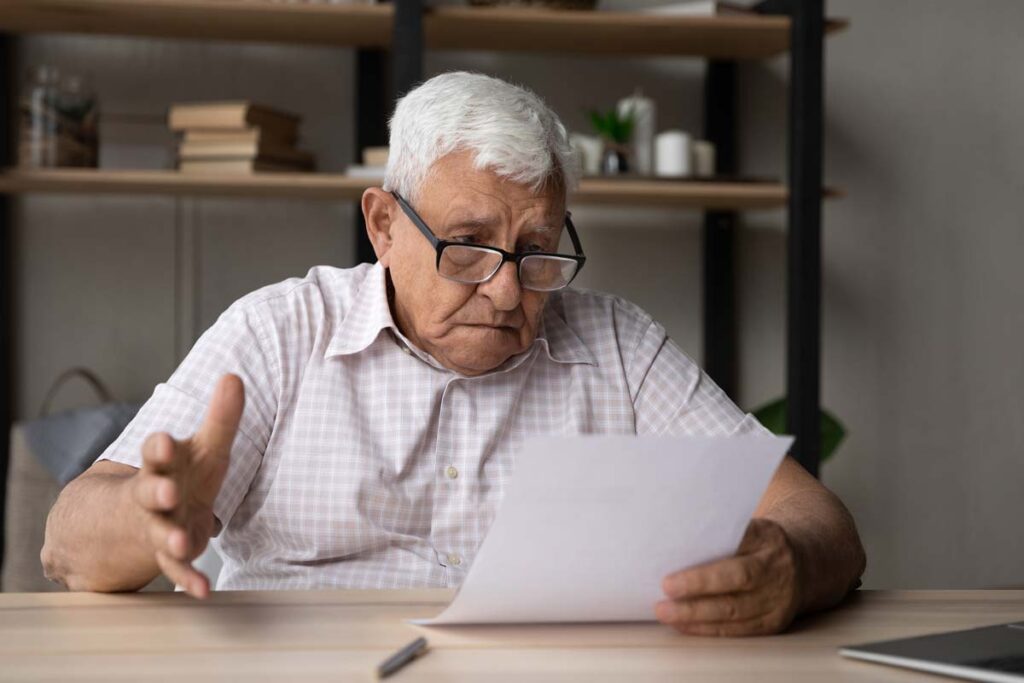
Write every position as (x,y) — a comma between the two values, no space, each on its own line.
(178,483)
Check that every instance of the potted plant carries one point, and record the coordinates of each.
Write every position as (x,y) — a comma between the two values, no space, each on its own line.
(615,131)
(773,416)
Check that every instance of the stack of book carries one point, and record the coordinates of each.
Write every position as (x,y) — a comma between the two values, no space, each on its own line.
(237,137)
(375,161)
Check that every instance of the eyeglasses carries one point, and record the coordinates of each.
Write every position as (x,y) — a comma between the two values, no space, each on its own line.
(472,264)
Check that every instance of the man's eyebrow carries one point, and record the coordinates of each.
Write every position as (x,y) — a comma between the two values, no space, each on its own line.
(486,222)
(545,229)
(476,222)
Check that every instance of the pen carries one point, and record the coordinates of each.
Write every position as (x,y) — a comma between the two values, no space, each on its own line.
(402,657)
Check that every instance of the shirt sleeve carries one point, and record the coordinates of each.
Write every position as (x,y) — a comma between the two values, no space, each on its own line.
(672,396)
(237,344)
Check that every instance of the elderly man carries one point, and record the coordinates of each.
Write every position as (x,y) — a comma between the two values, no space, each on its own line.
(361,424)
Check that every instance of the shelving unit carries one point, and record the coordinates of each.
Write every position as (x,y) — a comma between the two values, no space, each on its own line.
(391,40)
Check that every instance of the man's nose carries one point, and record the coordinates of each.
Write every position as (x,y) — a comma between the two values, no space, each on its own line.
(503,288)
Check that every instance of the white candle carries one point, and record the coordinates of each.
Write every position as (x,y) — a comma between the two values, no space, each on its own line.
(644,124)
(672,154)
(588,151)
(703,159)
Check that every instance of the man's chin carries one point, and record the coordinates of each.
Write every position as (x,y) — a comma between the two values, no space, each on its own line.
(496,345)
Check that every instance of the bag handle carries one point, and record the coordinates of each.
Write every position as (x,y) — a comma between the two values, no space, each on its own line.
(84,373)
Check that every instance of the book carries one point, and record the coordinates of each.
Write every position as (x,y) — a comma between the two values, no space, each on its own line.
(236,166)
(251,134)
(375,156)
(237,115)
(213,150)
(362,171)
(699,8)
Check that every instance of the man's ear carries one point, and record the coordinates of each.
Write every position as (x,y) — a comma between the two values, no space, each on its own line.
(379,209)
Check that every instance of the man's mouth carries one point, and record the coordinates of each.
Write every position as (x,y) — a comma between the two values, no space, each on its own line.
(494,326)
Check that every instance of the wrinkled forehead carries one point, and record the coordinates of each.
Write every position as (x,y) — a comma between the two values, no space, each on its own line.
(456,190)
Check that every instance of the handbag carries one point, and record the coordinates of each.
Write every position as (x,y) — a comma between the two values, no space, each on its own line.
(45,454)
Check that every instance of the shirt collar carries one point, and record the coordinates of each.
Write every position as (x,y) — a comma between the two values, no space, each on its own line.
(367,315)
(370,313)
(560,341)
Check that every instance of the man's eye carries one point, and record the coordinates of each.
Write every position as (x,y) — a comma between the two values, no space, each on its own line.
(465,239)
(534,247)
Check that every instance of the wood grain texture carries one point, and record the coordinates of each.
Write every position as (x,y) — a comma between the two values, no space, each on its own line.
(631,33)
(683,194)
(281,185)
(342,635)
(448,27)
(354,25)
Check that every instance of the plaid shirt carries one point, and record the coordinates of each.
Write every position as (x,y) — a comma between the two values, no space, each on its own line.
(361,462)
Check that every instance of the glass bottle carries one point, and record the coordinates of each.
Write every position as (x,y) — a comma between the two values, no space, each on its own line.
(39,129)
(81,116)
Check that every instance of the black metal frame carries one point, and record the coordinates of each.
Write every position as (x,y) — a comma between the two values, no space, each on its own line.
(371,127)
(374,99)
(720,329)
(407,46)
(806,160)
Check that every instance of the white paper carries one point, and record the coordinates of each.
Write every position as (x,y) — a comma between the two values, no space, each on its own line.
(590,525)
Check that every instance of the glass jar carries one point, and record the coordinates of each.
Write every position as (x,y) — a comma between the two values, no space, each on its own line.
(39,118)
(81,117)
(59,121)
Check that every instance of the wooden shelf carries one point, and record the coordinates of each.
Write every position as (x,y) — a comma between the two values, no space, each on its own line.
(718,194)
(600,32)
(271,185)
(325,186)
(451,27)
(357,25)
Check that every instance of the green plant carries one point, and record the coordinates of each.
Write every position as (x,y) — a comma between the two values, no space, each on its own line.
(613,126)
(773,416)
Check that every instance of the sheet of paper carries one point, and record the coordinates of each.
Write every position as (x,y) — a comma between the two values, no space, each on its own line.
(590,525)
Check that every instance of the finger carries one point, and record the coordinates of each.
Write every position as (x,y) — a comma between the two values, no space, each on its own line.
(158,451)
(167,537)
(731,575)
(217,432)
(185,575)
(733,607)
(155,492)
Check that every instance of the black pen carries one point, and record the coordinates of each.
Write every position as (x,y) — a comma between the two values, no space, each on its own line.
(402,657)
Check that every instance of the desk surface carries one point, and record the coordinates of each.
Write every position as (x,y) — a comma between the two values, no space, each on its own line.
(342,635)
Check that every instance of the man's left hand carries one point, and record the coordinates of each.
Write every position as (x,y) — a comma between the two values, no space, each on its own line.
(755,592)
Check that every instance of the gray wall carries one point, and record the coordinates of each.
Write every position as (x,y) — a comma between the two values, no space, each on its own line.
(922,327)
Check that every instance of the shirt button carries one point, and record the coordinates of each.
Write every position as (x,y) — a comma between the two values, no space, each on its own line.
(454,560)
(451,472)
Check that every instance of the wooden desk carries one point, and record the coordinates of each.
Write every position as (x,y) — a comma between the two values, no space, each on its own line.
(342,635)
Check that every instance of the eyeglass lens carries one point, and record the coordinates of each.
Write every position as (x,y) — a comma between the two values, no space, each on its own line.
(469,264)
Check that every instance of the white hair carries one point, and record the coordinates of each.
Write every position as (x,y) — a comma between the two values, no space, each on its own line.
(507,128)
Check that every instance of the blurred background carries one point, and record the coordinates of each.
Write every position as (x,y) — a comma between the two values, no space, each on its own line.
(922,279)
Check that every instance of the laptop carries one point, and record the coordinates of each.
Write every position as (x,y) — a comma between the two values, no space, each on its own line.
(990,653)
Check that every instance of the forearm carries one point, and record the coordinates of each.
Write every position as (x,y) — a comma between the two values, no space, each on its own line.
(829,555)
(95,537)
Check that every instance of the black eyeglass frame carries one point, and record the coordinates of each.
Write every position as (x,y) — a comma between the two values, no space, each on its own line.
(440,245)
